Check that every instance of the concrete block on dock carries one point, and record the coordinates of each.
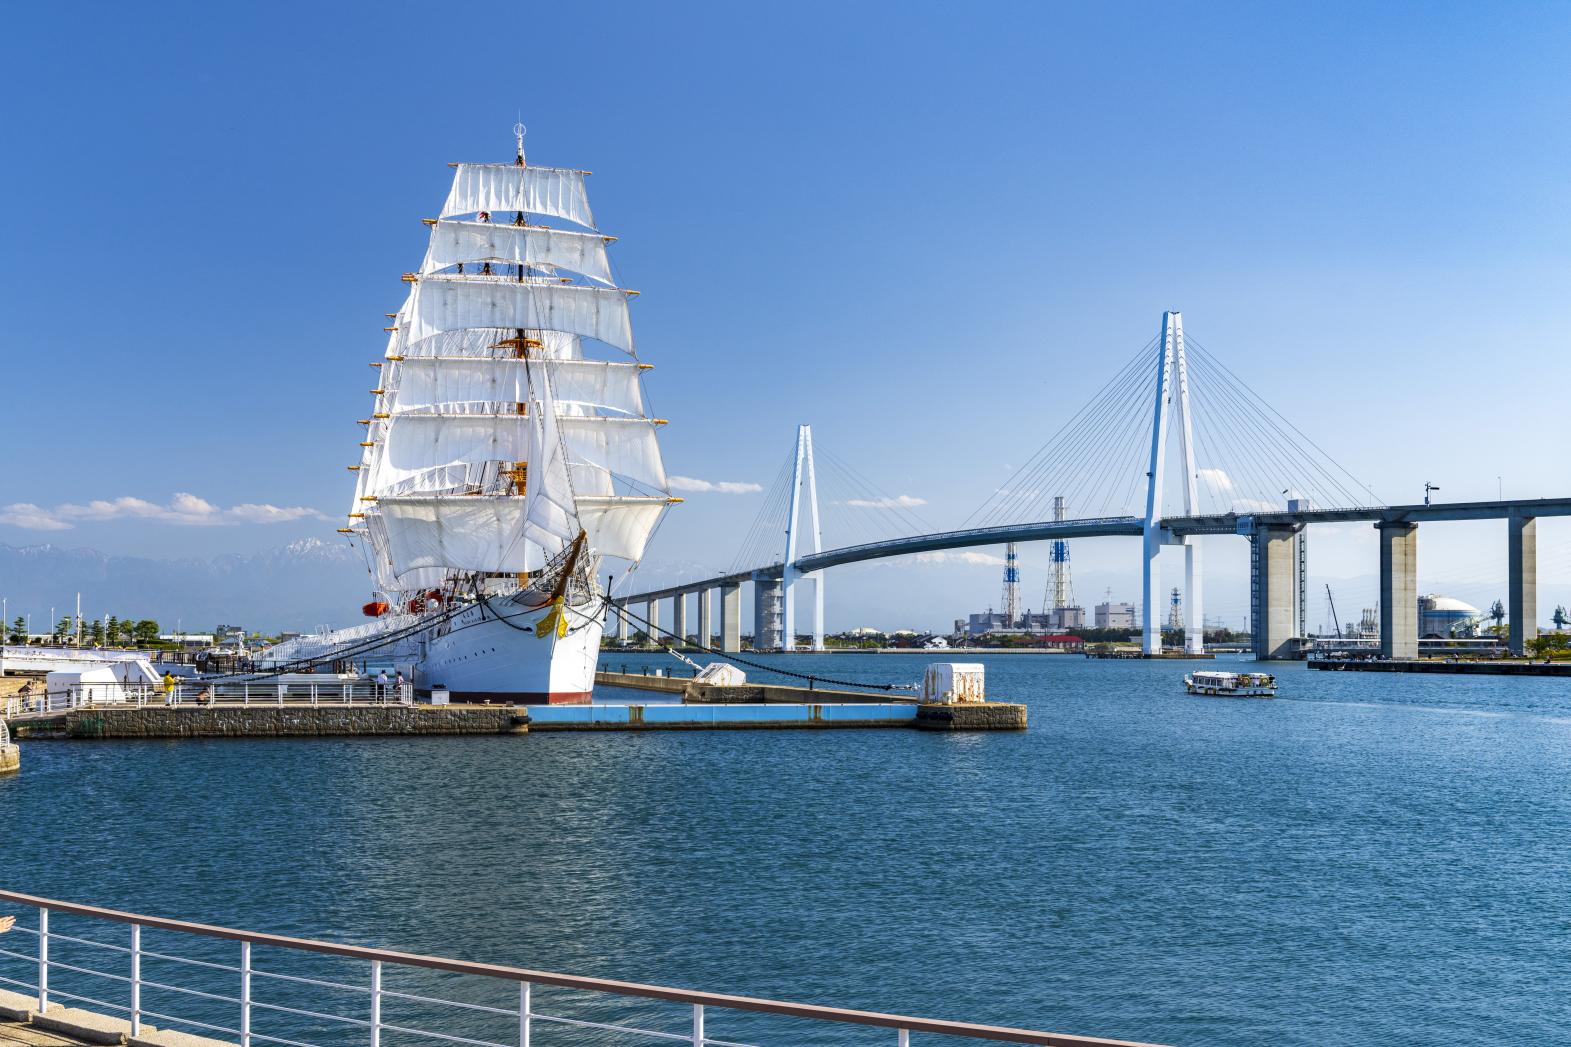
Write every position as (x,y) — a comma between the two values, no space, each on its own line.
(20,1008)
(971,716)
(85,1026)
(10,759)
(151,1037)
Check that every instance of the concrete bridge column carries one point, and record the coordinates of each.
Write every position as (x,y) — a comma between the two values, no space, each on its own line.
(768,614)
(1273,614)
(652,616)
(731,617)
(621,626)
(1398,589)
(705,622)
(679,618)
(818,610)
(1194,607)
(1522,568)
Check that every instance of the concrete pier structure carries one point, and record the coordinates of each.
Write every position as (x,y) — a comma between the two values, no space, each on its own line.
(679,617)
(768,614)
(1273,567)
(652,616)
(706,625)
(1398,589)
(731,617)
(623,630)
(1522,571)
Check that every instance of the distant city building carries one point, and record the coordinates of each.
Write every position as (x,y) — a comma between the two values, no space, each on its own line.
(1115,615)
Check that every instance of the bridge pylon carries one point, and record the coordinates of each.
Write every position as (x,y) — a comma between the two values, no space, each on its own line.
(1172,392)
(803,478)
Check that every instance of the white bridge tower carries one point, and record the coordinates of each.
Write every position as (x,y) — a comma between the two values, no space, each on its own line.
(1172,391)
(802,476)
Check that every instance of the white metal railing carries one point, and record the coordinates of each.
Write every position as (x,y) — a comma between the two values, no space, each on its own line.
(329,691)
(228,993)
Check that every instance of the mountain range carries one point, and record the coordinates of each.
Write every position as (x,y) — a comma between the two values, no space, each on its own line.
(301,585)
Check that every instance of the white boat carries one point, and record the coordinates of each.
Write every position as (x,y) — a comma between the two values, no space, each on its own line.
(1231,685)
(508,452)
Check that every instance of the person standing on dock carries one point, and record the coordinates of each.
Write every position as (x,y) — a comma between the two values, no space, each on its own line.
(169,688)
(381,685)
(398,686)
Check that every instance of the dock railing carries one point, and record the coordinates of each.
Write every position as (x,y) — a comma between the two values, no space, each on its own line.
(329,691)
(238,993)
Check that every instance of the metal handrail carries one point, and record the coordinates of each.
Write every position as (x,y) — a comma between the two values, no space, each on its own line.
(698,1000)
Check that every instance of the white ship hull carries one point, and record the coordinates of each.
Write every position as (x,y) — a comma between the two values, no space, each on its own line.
(478,656)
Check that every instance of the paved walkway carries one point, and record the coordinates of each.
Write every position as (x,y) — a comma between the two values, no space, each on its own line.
(21,1034)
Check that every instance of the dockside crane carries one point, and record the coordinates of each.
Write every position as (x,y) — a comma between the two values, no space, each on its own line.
(1334,623)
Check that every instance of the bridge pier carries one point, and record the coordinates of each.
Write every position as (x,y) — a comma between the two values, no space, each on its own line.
(731,617)
(768,615)
(1194,607)
(621,626)
(706,634)
(1398,589)
(818,610)
(1273,567)
(679,618)
(652,616)
(1522,569)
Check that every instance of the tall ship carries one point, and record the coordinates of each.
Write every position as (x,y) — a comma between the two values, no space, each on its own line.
(509,456)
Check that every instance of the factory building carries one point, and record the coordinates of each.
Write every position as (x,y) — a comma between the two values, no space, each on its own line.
(1116,616)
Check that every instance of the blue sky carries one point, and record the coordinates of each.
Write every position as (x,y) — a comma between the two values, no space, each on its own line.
(932,231)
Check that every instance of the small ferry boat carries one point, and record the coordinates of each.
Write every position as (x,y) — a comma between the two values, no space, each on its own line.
(1232,685)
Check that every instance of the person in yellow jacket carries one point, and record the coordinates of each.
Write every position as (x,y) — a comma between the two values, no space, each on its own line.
(169,688)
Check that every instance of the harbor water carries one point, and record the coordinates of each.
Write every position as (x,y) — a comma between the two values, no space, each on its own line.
(1367,859)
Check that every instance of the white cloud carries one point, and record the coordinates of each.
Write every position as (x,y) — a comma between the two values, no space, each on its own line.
(33,517)
(899,501)
(184,508)
(964,556)
(1216,479)
(688,483)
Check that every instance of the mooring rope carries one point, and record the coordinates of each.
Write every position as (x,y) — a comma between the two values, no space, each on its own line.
(625,613)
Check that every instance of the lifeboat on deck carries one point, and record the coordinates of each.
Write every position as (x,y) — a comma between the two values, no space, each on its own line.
(375,609)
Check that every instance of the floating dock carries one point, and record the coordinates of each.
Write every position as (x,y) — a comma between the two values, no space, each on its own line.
(1435,665)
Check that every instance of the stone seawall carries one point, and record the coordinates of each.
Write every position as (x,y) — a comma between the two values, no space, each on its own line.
(257,721)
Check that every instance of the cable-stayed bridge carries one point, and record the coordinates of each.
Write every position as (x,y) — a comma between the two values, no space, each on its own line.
(1173,447)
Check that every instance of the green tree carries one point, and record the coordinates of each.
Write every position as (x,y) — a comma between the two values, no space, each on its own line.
(145,631)
(95,632)
(19,630)
(112,630)
(62,629)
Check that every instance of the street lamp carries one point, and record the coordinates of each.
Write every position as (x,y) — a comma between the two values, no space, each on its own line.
(1427,488)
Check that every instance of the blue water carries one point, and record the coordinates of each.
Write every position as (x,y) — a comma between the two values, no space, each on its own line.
(1369,859)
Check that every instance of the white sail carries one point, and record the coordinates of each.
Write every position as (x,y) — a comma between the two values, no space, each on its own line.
(487,343)
(424,445)
(458,532)
(624,447)
(509,187)
(451,303)
(427,382)
(472,242)
(620,526)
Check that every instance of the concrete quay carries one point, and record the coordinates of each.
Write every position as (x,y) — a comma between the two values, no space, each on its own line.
(23,1025)
(272,721)
(1435,665)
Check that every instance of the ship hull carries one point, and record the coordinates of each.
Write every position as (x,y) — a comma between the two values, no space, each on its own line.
(489,653)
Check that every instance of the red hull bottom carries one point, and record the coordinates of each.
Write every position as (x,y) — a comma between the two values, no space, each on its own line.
(520,697)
